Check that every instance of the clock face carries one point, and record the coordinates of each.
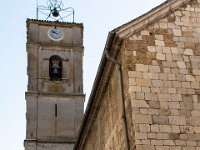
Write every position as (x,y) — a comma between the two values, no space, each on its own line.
(55,34)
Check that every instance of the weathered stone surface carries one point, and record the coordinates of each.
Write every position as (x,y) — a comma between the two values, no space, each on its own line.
(161,86)
(160,120)
(177,120)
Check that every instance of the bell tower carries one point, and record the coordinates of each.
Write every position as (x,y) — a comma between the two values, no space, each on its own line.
(54,95)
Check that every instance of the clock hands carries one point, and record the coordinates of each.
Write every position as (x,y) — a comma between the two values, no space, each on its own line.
(54,32)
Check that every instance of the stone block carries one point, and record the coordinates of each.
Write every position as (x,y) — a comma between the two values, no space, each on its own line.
(150,96)
(156,142)
(177,120)
(163,25)
(176,97)
(132,81)
(180,142)
(193,137)
(159,37)
(177,57)
(151,49)
(171,77)
(157,83)
(164,105)
(184,112)
(190,78)
(176,84)
(160,56)
(172,90)
(165,112)
(143,82)
(196,72)
(175,129)
(159,49)
(174,105)
(144,127)
(178,13)
(168,142)
(163,76)
(160,120)
(155,90)
(134,74)
(153,111)
(181,64)
(167,84)
(159,43)
(168,64)
(154,104)
(175,148)
(195,58)
(177,32)
(174,50)
(139,135)
(195,113)
(142,111)
(154,69)
(144,32)
(146,89)
(155,128)
(135,88)
(166,50)
(174,112)
(152,135)
(146,142)
(164,97)
(162,147)
(134,53)
(147,75)
(196,106)
(191,143)
(163,136)
(183,71)
(180,77)
(166,70)
(139,103)
(139,95)
(169,57)
(141,67)
(186,85)
(197,129)
(165,128)
(145,147)
(138,118)
(188,52)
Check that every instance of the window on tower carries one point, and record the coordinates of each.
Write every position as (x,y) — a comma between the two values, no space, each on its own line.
(55,68)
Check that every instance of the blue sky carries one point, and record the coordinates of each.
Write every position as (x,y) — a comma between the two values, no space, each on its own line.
(98,17)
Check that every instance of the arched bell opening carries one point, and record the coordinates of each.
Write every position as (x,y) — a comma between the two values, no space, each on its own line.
(55,68)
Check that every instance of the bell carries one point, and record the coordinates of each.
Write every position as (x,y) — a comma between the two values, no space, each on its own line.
(55,72)
(55,12)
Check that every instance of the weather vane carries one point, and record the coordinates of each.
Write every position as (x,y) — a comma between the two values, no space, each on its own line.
(55,11)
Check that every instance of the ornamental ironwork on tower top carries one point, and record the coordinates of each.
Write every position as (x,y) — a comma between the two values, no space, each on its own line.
(54,11)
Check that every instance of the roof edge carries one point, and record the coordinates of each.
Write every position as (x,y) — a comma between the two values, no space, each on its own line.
(49,23)
(156,13)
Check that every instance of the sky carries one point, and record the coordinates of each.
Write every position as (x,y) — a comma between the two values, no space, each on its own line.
(98,17)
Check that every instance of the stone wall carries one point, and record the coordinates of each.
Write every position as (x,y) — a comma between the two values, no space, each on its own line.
(163,62)
(106,131)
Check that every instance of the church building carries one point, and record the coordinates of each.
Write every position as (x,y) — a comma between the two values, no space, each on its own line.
(146,95)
